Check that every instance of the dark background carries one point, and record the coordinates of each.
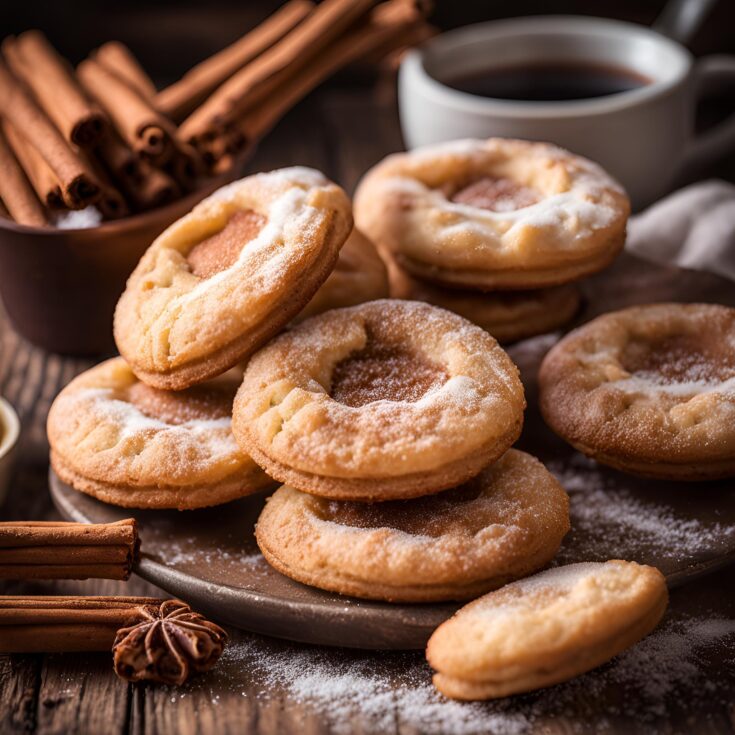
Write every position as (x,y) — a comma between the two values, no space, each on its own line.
(168,37)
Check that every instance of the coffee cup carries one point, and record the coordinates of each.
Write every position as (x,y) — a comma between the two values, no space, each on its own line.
(642,132)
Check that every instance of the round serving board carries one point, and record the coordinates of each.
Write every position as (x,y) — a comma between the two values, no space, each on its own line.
(209,557)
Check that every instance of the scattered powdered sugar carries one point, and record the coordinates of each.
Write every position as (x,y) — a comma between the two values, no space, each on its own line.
(185,552)
(671,658)
(382,689)
(379,692)
(606,517)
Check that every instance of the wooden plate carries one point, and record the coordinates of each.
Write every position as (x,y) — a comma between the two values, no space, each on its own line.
(209,557)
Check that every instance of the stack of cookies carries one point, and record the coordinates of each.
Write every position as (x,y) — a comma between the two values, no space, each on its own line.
(151,429)
(495,230)
(389,423)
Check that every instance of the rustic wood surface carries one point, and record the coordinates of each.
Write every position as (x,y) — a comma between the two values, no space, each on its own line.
(342,133)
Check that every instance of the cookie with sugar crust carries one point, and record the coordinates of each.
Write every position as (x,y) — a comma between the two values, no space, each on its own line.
(221,281)
(545,629)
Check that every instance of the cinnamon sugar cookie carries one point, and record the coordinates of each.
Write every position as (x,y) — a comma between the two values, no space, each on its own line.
(493,214)
(126,443)
(218,283)
(507,315)
(503,524)
(360,275)
(385,400)
(546,629)
(649,390)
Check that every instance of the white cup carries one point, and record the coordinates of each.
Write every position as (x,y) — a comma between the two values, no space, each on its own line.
(644,137)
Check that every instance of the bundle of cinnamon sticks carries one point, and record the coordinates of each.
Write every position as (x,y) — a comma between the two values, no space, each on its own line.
(59,550)
(102,135)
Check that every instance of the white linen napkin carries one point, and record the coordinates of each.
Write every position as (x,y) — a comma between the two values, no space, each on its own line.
(693,227)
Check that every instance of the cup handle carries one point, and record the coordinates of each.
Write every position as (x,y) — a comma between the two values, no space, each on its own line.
(711,72)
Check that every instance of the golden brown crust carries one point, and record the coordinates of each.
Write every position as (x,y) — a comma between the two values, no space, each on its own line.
(404,487)
(546,629)
(571,226)
(509,315)
(504,524)
(177,329)
(155,496)
(360,275)
(469,406)
(108,441)
(648,390)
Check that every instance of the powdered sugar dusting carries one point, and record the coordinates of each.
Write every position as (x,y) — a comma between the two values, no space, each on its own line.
(605,517)
(381,692)
(214,434)
(288,211)
(572,214)
(185,552)
(646,382)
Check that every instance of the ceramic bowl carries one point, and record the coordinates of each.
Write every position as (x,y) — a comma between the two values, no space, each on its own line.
(60,287)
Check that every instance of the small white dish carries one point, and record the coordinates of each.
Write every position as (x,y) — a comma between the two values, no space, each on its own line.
(9,433)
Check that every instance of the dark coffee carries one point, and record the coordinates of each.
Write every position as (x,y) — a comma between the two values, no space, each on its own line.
(549,82)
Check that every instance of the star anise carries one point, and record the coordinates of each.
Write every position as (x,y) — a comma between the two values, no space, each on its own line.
(167,645)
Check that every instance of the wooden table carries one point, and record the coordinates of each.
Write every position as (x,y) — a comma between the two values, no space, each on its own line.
(342,133)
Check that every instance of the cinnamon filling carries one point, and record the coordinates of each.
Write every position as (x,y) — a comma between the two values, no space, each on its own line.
(497,195)
(427,516)
(199,403)
(220,251)
(380,373)
(681,358)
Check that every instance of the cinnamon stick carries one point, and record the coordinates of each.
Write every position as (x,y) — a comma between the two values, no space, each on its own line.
(66,624)
(16,191)
(186,165)
(120,159)
(78,184)
(387,26)
(49,76)
(39,173)
(144,185)
(57,550)
(180,98)
(153,189)
(328,21)
(111,202)
(119,59)
(141,126)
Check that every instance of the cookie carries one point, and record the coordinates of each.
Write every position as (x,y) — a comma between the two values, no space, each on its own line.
(503,524)
(545,629)
(508,315)
(385,400)
(220,282)
(360,275)
(648,390)
(493,214)
(128,444)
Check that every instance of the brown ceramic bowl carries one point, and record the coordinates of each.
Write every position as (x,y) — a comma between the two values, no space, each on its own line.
(60,287)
